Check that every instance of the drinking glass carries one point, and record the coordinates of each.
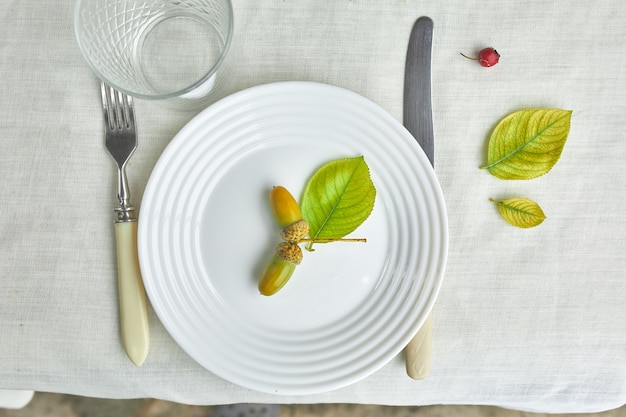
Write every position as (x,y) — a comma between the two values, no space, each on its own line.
(157,49)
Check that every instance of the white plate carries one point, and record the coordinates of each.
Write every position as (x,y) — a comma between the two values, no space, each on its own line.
(206,232)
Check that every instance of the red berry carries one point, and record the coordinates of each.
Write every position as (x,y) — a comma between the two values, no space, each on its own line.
(488,57)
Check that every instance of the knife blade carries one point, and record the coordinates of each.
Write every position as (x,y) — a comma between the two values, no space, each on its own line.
(418,120)
(418,109)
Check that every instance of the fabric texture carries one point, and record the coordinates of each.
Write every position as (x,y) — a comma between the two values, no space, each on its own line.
(528,319)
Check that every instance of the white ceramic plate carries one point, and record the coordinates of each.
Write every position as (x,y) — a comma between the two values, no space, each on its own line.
(206,232)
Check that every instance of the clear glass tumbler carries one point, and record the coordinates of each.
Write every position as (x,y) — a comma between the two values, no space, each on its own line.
(156,49)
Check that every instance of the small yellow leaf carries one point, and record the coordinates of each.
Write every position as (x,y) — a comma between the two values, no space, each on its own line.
(521,212)
(528,143)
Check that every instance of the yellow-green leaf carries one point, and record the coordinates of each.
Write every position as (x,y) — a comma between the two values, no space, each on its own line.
(338,198)
(528,143)
(521,212)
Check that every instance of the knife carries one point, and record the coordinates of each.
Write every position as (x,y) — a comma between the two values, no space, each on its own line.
(418,120)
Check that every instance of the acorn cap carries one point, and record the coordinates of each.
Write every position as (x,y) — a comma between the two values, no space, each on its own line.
(289,252)
(295,232)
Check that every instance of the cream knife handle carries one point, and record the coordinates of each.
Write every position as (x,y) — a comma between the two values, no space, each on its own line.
(419,351)
(133,311)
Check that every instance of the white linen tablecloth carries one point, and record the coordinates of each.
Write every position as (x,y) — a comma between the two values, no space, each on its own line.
(527,319)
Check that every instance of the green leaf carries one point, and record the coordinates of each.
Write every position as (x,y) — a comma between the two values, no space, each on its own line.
(521,212)
(528,143)
(338,198)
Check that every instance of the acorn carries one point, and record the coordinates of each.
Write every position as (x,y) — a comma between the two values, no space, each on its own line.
(284,207)
(280,268)
(288,215)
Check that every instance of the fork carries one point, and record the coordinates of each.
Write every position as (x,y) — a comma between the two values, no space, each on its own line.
(121,142)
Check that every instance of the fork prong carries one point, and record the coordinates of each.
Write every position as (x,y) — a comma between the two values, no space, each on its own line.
(118,103)
(126,111)
(105,105)
(130,112)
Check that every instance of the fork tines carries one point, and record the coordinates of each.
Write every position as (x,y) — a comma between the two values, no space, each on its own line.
(118,108)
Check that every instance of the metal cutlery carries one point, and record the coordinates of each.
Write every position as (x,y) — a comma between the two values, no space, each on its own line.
(121,142)
(418,120)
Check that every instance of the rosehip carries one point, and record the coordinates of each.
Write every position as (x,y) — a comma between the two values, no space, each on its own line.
(487,57)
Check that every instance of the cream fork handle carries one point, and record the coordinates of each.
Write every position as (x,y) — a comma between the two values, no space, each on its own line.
(133,310)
